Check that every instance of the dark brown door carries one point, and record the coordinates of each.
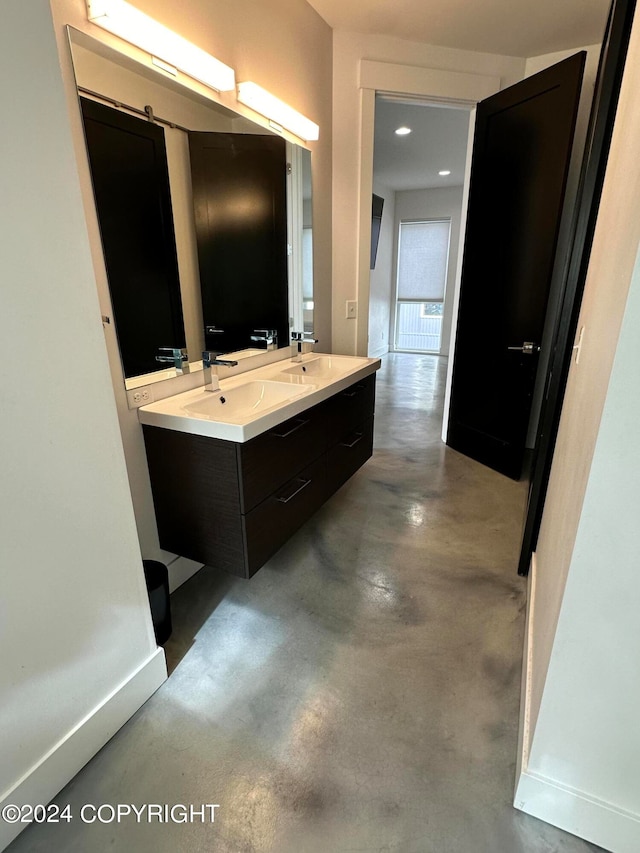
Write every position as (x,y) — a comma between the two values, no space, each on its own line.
(521,154)
(131,186)
(596,152)
(239,198)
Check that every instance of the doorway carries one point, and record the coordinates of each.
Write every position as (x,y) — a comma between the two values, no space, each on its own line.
(448,97)
(418,170)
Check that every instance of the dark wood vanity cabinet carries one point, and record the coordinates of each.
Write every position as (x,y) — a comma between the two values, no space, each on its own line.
(231,505)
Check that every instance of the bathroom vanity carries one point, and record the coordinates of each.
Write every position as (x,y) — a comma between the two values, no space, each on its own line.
(235,474)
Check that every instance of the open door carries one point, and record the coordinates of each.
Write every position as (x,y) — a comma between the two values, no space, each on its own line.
(596,152)
(521,154)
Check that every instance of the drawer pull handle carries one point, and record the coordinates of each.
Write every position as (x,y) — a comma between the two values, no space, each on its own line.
(284,499)
(359,437)
(355,389)
(300,422)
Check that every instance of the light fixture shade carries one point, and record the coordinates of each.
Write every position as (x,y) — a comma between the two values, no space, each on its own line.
(268,105)
(134,26)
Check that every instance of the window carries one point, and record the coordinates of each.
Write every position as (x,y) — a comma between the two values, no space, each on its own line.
(423,251)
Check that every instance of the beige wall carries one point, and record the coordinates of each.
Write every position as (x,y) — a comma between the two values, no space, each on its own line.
(295,63)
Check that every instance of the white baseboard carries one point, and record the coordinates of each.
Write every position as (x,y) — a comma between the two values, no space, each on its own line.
(379,351)
(549,800)
(67,757)
(574,811)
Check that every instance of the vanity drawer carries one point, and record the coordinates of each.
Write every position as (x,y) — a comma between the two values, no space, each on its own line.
(351,407)
(349,454)
(269,525)
(270,460)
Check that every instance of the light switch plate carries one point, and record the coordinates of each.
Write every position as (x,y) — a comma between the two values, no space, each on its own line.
(351,310)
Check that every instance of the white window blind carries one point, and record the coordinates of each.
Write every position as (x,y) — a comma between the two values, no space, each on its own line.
(422,260)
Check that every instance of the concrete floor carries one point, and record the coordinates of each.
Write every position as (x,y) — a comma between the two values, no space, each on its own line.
(361,692)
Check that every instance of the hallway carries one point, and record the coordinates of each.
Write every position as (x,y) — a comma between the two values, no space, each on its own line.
(361,692)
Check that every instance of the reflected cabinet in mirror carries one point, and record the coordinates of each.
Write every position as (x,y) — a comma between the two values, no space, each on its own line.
(205,219)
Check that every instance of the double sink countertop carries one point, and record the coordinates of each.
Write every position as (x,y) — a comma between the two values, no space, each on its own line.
(250,403)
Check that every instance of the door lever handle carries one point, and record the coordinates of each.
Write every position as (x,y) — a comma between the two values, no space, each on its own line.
(528,348)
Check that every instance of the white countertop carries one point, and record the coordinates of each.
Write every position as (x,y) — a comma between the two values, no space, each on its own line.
(250,403)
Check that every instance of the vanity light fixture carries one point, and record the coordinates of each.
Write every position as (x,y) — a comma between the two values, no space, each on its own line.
(132,25)
(403,131)
(445,172)
(273,108)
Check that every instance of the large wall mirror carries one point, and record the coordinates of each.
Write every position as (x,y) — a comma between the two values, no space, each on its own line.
(188,265)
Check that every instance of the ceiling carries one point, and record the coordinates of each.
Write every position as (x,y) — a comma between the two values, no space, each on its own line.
(509,27)
(438,140)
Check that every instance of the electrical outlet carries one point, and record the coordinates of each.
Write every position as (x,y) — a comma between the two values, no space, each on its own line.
(351,309)
(139,397)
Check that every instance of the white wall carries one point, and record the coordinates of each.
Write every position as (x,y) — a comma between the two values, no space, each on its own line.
(445,203)
(581,741)
(298,39)
(382,285)
(401,66)
(78,653)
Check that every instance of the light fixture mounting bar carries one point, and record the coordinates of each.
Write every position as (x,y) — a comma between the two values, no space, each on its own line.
(132,25)
(273,108)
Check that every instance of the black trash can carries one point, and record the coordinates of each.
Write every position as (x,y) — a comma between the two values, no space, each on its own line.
(157,578)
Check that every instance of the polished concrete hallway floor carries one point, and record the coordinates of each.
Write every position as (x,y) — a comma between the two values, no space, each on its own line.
(361,692)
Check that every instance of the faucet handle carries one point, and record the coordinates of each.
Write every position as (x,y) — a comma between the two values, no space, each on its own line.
(267,337)
(174,355)
(209,357)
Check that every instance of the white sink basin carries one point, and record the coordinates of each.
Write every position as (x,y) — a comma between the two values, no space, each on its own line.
(259,399)
(236,405)
(324,367)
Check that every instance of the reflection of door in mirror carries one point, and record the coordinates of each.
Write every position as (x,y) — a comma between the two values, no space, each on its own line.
(307,240)
(299,209)
(240,204)
(131,187)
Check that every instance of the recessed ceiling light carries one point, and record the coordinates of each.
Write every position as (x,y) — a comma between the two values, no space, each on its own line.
(403,131)
(445,172)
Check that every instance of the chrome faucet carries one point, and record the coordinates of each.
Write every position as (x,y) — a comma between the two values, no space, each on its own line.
(265,338)
(210,361)
(176,357)
(299,339)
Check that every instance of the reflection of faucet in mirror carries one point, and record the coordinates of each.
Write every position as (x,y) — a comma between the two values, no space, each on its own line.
(210,361)
(265,338)
(299,340)
(176,357)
